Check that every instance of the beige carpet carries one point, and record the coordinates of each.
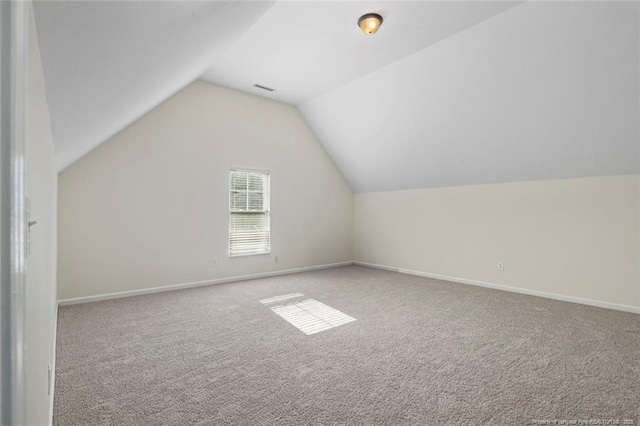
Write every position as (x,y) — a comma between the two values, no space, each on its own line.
(421,351)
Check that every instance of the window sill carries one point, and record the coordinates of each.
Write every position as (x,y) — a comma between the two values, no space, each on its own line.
(249,254)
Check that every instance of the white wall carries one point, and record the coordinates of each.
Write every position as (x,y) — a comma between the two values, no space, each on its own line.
(40,292)
(150,207)
(573,237)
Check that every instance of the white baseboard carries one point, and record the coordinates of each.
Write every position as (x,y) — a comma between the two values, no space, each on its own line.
(118,295)
(53,367)
(373,265)
(555,296)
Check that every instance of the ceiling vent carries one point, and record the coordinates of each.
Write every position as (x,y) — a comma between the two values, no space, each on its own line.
(259,86)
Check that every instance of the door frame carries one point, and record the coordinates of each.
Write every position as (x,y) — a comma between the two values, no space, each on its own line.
(13,67)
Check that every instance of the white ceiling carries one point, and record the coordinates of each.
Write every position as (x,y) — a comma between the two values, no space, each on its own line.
(541,91)
(447,93)
(304,49)
(107,63)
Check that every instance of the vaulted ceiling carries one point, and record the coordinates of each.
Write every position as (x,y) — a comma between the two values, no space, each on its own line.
(305,49)
(447,93)
(107,63)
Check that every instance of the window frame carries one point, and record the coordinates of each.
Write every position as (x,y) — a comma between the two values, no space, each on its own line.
(266,209)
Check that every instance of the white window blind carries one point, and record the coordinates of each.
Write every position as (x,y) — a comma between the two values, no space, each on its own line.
(249,227)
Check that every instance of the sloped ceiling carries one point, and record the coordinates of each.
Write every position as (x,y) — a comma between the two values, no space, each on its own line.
(107,63)
(304,49)
(544,90)
(447,93)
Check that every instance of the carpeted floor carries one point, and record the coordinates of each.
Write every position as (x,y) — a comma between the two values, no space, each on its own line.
(421,351)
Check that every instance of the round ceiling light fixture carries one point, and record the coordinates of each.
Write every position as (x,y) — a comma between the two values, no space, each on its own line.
(370,23)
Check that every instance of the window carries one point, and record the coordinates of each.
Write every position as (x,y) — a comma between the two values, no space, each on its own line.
(249,228)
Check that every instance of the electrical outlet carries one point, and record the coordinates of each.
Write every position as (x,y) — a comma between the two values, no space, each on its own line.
(275,259)
(500,266)
(215,262)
